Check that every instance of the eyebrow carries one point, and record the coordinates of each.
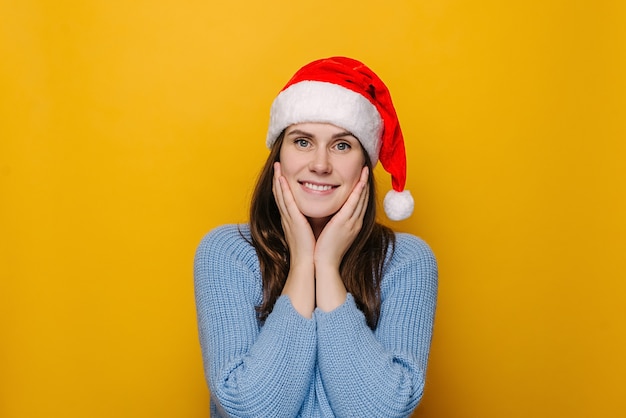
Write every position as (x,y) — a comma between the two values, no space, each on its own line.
(335,136)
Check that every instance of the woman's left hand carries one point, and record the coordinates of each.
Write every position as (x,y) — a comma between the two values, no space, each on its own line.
(342,229)
(333,242)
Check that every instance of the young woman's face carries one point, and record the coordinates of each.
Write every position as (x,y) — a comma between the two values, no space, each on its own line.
(321,163)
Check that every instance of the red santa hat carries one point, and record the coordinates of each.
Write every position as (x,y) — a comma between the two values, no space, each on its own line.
(344,92)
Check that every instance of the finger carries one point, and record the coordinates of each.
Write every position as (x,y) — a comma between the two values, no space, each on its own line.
(365,174)
(277,169)
(347,211)
(288,205)
(279,197)
(361,190)
(362,206)
(288,199)
(359,210)
(364,201)
(278,190)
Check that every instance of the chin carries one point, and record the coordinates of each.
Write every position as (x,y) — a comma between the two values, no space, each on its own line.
(319,214)
(313,209)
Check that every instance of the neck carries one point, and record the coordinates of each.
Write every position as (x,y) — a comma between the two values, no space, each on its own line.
(317,225)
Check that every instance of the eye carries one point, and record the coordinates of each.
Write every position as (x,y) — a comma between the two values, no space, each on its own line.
(343,146)
(302,142)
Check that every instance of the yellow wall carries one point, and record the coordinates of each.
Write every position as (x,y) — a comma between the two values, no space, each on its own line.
(130,128)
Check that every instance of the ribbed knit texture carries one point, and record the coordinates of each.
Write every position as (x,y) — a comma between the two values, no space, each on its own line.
(332,365)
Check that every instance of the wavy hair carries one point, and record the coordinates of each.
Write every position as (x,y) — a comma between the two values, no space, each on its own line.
(361,268)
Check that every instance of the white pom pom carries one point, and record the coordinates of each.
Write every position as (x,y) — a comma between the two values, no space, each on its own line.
(398,205)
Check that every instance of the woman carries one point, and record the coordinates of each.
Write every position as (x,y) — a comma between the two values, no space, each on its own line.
(314,309)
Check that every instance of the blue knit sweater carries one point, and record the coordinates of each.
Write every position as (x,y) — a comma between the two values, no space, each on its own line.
(332,365)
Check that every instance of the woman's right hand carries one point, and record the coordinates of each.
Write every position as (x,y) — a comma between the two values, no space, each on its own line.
(300,284)
(298,232)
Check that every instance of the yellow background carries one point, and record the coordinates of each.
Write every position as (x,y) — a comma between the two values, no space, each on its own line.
(130,128)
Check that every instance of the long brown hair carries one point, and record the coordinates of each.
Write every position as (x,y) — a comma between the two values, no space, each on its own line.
(361,268)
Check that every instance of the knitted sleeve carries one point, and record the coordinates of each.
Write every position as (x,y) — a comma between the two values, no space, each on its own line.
(247,366)
(382,373)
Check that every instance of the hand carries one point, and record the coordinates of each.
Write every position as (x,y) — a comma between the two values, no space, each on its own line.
(344,226)
(296,227)
(332,244)
(300,283)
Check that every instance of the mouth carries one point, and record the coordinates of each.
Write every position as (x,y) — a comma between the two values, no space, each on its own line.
(316,186)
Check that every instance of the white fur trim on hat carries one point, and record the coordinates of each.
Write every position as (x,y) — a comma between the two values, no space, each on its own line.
(318,101)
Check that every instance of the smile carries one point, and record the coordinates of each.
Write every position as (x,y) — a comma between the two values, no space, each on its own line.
(317,187)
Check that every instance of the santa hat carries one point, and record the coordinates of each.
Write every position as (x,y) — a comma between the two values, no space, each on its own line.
(344,92)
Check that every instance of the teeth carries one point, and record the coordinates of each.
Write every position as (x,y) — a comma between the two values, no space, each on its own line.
(317,187)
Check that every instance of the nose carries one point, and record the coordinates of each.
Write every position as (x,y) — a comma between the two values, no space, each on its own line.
(320,162)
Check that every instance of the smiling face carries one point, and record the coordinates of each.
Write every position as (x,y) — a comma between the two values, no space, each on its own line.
(322,164)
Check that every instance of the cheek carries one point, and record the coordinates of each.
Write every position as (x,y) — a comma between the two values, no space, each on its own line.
(355,173)
(285,165)
(287,170)
(292,166)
